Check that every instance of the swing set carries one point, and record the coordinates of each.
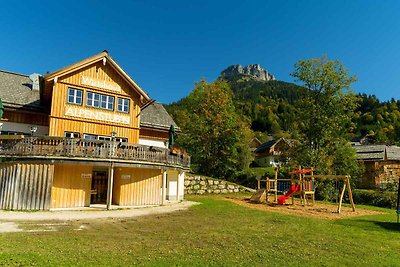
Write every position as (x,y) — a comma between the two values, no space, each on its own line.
(301,183)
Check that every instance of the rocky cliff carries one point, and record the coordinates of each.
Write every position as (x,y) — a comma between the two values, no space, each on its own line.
(254,71)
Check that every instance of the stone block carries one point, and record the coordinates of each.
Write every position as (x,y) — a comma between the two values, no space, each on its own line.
(196,187)
(202,183)
(236,190)
(210,182)
(231,186)
(224,191)
(217,191)
(216,182)
(201,192)
(221,186)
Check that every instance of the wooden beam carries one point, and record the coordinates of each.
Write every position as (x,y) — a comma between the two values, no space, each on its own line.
(339,177)
(347,181)
(110,185)
(341,198)
(163,187)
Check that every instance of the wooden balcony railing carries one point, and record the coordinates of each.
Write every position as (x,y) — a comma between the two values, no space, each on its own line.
(45,146)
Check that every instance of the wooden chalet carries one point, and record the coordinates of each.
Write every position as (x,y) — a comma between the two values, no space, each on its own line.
(82,135)
(382,164)
(272,153)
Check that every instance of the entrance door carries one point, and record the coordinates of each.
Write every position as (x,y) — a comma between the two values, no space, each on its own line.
(99,188)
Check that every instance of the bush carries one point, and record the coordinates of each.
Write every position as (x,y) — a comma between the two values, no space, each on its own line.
(385,199)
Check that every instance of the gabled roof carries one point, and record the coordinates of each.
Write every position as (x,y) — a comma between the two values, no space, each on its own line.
(370,152)
(265,147)
(105,57)
(16,92)
(156,116)
(377,152)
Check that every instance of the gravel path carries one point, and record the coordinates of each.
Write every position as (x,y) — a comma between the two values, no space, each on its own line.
(63,215)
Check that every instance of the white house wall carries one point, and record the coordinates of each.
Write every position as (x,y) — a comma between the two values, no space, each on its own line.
(24,128)
(152,142)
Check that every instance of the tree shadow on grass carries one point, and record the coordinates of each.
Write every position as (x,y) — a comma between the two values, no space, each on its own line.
(391,226)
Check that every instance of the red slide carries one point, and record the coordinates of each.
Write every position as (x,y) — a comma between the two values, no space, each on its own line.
(293,189)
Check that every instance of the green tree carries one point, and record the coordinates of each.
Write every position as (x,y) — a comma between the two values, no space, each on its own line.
(215,135)
(325,112)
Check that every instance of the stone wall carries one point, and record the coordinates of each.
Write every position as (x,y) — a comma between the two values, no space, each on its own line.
(196,184)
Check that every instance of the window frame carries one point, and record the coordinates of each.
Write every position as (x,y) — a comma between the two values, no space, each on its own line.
(75,96)
(73,134)
(90,135)
(121,139)
(122,104)
(91,101)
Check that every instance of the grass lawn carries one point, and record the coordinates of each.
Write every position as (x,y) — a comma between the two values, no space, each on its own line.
(216,233)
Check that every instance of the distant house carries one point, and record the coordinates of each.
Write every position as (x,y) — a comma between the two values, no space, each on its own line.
(363,140)
(254,144)
(272,153)
(382,164)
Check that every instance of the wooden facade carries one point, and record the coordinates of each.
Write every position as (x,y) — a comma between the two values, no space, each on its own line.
(57,171)
(71,186)
(19,116)
(25,186)
(137,187)
(66,117)
(154,134)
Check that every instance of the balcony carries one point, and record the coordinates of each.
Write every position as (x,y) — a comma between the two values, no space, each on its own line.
(59,148)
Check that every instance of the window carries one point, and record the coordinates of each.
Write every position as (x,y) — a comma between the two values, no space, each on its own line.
(93,100)
(121,139)
(104,138)
(75,96)
(90,136)
(71,135)
(123,105)
(99,101)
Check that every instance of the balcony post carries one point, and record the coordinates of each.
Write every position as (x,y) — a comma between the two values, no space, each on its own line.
(163,187)
(110,185)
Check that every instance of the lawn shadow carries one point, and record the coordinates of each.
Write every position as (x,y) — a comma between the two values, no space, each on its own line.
(391,226)
(369,224)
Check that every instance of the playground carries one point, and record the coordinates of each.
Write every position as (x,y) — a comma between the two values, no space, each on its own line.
(295,194)
(321,210)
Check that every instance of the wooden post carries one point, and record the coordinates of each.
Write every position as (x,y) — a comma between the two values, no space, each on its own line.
(163,187)
(110,185)
(341,197)
(177,186)
(350,193)
(276,185)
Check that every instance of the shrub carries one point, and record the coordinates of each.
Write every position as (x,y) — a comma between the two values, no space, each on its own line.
(385,199)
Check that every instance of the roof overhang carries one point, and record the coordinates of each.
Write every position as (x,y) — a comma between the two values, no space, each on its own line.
(106,59)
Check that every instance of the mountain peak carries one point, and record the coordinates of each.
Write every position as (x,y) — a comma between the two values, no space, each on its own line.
(254,71)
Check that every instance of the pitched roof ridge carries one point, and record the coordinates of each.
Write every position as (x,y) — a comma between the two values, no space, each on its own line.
(14,73)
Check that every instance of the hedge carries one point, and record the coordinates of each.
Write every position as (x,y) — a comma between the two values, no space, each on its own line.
(385,199)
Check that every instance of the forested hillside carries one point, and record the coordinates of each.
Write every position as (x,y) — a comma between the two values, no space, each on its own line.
(271,108)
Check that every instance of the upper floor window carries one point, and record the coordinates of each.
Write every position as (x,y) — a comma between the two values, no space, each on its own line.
(121,139)
(90,136)
(75,96)
(72,135)
(99,101)
(123,105)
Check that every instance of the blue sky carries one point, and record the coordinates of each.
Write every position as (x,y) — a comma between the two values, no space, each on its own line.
(166,46)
